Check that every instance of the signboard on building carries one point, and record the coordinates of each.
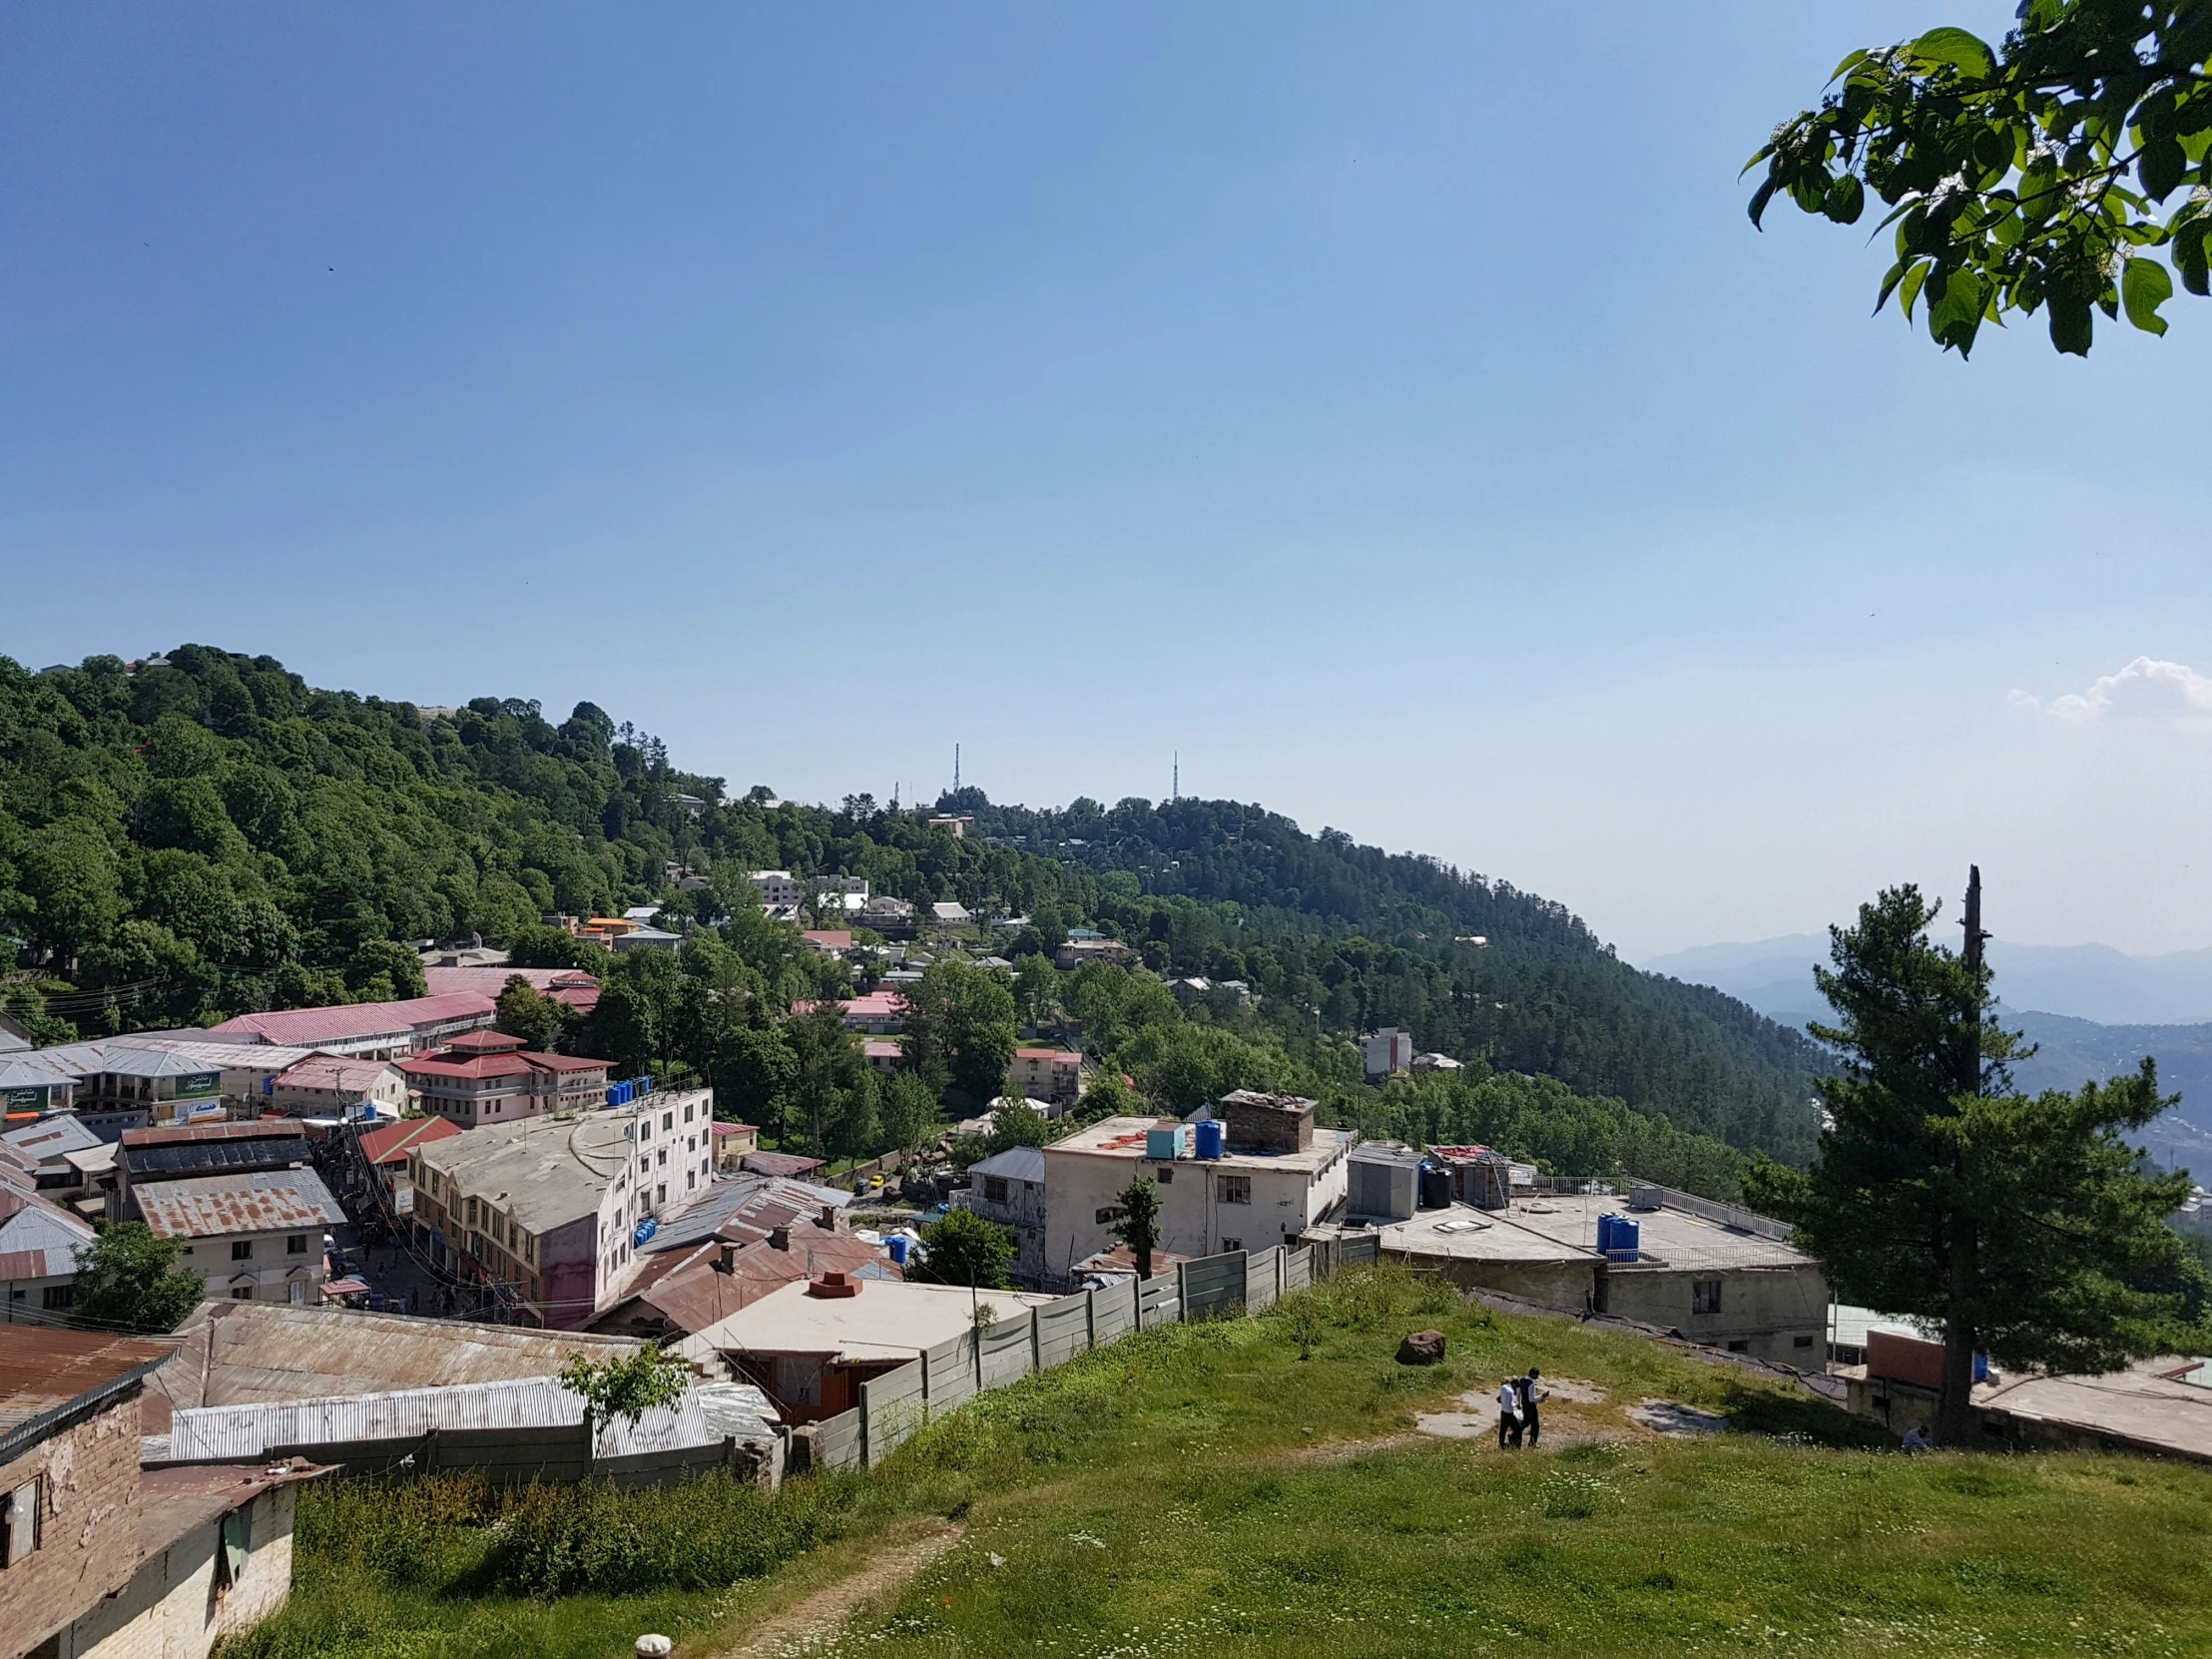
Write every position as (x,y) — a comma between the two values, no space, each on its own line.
(199,1085)
(27,1100)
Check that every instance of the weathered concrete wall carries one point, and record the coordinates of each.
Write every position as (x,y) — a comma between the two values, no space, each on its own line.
(87,1528)
(175,1605)
(1571,1284)
(1770,1313)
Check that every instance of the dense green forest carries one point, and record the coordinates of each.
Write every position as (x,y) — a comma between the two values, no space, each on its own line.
(203,834)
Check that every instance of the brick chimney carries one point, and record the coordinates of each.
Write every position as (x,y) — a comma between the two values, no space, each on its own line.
(780,1237)
(829,1219)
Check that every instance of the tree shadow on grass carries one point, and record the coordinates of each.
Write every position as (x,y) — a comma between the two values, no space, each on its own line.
(1803,1419)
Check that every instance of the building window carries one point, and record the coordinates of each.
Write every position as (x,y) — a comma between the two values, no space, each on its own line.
(994,1189)
(1236,1189)
(19,1520)
(1705,1295)
(295,1244)
(1112,1212)
(241,1250)
(241,1292)
(298,1293)
(1232,1244)
(1800,1342)
(1166,1175)
(687,1114)
(668,1120)
(58,1295)
(1741,1346)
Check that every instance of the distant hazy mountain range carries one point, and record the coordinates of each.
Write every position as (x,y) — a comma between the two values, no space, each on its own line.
(2092,1012)
(2081,982)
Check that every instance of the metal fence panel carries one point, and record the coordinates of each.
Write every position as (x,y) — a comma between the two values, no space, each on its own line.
(1063,1331)
(1007,1350)
(1114,1311)
(1263,1278)
(841,1440)
(1160,1300)
(1298,1269)
(949,1374)
(892,1406)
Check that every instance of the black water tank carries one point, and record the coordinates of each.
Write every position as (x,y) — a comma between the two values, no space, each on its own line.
(1436,1188)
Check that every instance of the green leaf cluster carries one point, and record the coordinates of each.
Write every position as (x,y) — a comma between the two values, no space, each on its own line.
(2033,175)
(127,1280)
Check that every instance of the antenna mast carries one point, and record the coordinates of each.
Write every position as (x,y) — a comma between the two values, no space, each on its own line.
(1178,785)
(955,768)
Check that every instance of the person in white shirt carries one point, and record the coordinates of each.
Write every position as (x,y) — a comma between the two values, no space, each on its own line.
(1508,1413)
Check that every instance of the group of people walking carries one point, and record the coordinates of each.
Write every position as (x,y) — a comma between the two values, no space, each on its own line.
(1516,1411)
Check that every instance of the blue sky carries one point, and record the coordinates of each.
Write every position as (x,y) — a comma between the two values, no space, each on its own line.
(1388,407)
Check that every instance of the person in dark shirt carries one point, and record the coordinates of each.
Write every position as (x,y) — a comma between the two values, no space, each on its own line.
(1530,1393)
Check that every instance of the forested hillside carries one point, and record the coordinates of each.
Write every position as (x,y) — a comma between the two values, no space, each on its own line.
(204,835)
(1391,936)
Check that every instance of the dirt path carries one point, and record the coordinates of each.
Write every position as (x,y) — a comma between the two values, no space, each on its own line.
(808,1625)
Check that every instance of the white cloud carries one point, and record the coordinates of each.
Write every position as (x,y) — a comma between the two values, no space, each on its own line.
(2146,690)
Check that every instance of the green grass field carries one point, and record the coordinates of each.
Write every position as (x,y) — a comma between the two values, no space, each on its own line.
(1206,1490)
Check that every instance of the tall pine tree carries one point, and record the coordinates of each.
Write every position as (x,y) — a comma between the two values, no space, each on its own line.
(2024,1226)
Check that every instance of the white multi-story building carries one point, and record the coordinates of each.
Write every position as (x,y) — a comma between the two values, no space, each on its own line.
(1278,1176)
(1388,1052)
(777,889)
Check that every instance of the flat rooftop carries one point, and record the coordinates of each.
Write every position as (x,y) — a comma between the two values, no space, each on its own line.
(1467,1234)
(888,1319)
(1675,1238)
(1558,1227)
(1125,1138)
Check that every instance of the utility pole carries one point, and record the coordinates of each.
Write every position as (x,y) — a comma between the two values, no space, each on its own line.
(1176,789)
(955,768)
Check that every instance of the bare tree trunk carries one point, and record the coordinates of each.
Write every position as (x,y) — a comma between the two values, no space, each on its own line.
(1955,1420)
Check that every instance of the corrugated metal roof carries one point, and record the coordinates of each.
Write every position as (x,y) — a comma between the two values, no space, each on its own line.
(361,1019)
(392,1141)
(704,1417)
(44,1372)
(1020,1163)
(242,1352)
(50,1137)
(262,1201)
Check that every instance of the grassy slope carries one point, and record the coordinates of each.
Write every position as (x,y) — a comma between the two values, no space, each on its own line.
(1203,1490)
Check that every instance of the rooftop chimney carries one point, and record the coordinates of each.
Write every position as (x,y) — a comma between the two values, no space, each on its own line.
(829,1219)
(729,1263)
(780,1237)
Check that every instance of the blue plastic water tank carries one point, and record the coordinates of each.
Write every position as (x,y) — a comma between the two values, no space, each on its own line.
(1628,1235)
(1208,1140)
(1605,1234)
(1981,1368)
(898,1242)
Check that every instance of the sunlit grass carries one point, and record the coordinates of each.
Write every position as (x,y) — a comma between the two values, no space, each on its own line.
(1204,1490)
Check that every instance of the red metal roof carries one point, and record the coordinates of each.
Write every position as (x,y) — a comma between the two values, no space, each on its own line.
(485,1042)
(305,1027)
(389,1144)
(515,1063)
(42,1370)
(335,1073)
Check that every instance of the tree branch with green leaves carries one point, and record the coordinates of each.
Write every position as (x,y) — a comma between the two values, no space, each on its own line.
(2033,175)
